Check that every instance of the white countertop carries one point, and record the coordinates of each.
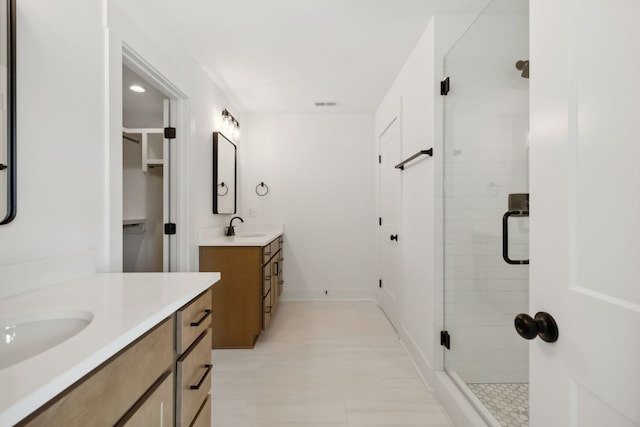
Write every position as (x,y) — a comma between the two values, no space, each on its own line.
(124,307)
(246,235)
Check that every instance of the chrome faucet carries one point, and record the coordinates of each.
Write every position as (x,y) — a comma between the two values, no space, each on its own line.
(230,230)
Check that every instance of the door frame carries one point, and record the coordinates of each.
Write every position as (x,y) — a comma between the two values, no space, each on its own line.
(180,153)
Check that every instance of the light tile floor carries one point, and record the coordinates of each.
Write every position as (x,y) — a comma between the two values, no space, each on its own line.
(507,402)
(323,364)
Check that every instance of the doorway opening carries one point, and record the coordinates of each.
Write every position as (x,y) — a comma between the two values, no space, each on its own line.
(151,165)
(143,174)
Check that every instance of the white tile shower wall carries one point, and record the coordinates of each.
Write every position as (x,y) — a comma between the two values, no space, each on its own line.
(486,158)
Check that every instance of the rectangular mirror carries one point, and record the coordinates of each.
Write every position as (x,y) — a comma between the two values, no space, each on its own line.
(224,175)
(7,111)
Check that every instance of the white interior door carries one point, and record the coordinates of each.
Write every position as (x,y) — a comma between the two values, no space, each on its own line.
(390,216)
(585,205)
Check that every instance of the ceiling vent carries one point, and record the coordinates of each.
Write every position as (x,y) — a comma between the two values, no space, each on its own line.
(327,104)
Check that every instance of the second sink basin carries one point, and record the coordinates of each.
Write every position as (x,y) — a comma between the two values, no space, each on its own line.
(26,335)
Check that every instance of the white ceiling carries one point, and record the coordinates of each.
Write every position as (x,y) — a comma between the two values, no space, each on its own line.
(284,55)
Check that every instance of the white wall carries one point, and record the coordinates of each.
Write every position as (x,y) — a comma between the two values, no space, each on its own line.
(69,98)
(320,173)
(416,89)
(60,133)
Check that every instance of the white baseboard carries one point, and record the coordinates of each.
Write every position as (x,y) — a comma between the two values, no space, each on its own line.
(461,411)
(420,361)
(292,294)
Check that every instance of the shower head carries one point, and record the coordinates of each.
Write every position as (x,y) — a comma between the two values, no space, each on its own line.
(524,67)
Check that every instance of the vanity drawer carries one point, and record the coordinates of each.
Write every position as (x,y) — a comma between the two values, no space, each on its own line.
(192,320)
(203,419)
(266,253)
(193,379)
(266,310)
(266,279)
(275,245)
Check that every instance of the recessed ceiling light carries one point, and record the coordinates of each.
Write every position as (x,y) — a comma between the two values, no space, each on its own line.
(137,88)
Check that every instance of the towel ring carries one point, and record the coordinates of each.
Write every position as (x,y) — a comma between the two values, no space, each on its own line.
(224,186)
(264,192)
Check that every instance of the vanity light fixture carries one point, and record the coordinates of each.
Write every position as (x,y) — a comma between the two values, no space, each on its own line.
(137,88)
(229,121)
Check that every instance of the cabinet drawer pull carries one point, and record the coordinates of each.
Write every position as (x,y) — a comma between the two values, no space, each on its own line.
(267,253)
(206,372)
(202,319)
(268,310)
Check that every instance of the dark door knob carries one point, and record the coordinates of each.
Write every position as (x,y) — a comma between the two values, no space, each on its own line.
(543,325)
(394,237)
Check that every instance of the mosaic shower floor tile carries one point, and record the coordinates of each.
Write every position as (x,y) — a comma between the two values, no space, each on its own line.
(507,402)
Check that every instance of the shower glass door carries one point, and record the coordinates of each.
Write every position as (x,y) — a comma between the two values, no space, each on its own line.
(486,118)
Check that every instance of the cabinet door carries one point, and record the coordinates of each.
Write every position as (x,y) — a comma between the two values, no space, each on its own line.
(203,419)
(104,396)
(237,297)
(155,408)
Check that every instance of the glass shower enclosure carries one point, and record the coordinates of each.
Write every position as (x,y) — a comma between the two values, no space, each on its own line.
(486,120)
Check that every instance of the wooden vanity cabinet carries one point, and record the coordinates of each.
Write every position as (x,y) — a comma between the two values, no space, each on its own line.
(137,386)
(247,294)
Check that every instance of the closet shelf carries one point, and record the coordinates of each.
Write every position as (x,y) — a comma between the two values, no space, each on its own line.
(134,225)
(152,141)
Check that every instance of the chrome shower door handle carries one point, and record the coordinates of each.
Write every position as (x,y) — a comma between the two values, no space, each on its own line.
(505,237)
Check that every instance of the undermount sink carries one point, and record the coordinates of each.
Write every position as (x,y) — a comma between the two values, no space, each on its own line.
(26,335)
(250,234)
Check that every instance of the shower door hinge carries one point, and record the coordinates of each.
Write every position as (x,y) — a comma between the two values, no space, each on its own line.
(445,86)
(380,159)
(170,228)
(445,339)
(170,133)
(380,221)
(380,283)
